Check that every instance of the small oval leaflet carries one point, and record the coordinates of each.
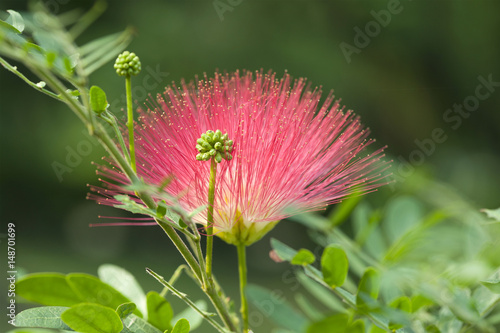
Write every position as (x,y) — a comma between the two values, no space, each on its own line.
(334,266)
(98,100)
(182,326)
(304,257)
(92,318)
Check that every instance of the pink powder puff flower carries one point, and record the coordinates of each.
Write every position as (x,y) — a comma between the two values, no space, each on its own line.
(289,154)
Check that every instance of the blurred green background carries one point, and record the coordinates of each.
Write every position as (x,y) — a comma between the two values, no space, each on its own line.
(402,77)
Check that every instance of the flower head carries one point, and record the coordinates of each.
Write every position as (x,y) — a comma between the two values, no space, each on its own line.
(289,154)
(127,64)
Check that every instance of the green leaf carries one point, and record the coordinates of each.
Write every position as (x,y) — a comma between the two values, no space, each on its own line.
(357,326)
(106,51)
(376,329)
(33,48)
(284,252)
(194,318)
(38,330)
(160,312)
(402,214)
(16,19)
(304,257)
(432,329)
(68,66)
(92,318)
(447,322)
(182,326)
(92,290)
(334,266)
(125,309)
(44,317)
(368,235)
(182,224)
(98,44)
(130,205)
(333,324)
(9,27)
(492,213)
(484,300)
(51,58)
(420,301)
(493,285)
(403,304)
(275,307)
(134,324)
(98,101)
(47,289)
(161,210)
(123,281)
(368,288)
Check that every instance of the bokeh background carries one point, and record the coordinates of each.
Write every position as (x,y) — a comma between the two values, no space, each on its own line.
(402,78)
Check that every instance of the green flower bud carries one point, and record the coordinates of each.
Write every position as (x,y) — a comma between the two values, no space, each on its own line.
(127,64)
(214,145)
(218,157)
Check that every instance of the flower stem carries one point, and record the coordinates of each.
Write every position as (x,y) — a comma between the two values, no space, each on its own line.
(130,121)
(110,119)
(242,268)
(210,217)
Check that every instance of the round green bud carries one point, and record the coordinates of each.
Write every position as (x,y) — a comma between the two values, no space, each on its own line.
(214,145)
(218,157)
(127,64)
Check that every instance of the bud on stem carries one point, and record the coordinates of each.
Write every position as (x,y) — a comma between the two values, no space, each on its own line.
(214,144)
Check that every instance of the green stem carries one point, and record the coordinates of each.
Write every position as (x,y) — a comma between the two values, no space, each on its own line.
(242,268)
(130,121)
(222,310)
(210,216)
(182,296)
(14,70)
(183,249)
(173,279)
(110,119)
